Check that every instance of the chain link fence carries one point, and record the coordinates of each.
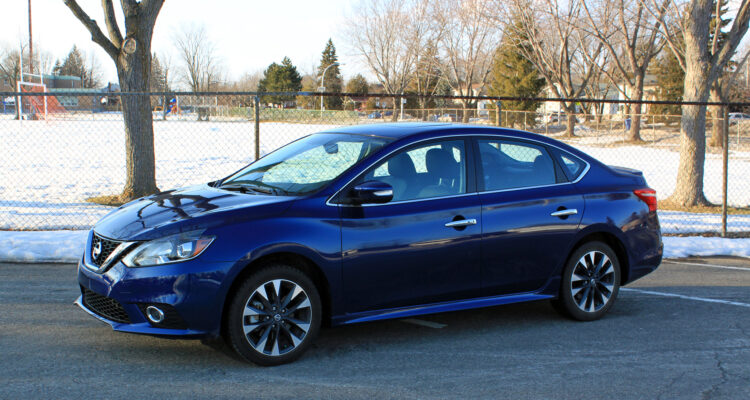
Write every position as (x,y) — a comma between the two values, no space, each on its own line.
(55,164)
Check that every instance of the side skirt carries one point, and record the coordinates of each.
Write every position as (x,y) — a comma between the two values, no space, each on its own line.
(435,308)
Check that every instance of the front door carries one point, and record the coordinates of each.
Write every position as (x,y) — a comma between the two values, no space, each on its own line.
(423,246)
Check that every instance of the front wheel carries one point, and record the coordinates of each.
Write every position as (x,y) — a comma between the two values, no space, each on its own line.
(274,316)
(591,281)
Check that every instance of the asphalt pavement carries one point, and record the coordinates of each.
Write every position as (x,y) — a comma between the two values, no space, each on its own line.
(682,332)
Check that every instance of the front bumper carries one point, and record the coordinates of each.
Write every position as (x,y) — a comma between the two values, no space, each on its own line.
(193,292)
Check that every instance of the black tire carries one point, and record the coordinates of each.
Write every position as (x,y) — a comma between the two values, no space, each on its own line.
(588,289)
(274,335)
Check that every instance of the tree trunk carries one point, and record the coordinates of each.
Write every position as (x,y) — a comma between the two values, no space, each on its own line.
(635,115)
(571,125)
(394,117)
(465,110)
(133,73)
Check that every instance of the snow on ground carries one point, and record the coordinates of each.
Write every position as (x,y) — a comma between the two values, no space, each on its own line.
(68,246)
(42,246)
(677,246)
(49,168)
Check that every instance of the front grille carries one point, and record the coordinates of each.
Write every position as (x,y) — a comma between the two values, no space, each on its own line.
(106,248)
(105,307)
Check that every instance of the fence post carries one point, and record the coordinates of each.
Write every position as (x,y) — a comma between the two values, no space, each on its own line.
(257,127)
(499,115)
(724,168)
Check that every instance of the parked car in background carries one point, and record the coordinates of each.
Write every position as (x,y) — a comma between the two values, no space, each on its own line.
(374,115)
(735,118)
(372,222)
(447,117)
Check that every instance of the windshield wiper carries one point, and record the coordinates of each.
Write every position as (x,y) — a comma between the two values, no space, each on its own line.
(246,188)
(261,186)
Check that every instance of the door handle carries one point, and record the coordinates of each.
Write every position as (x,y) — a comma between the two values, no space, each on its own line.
(565,213)
(460,223)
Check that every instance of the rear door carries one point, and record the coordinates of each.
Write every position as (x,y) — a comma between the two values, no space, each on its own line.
(530,214)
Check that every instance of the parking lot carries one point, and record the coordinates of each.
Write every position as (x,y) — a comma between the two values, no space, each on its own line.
(682,332)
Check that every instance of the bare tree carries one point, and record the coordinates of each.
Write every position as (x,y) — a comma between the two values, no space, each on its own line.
(467,43)
(131,54)
(557,49)
(720,93)
(380,31)
(201,69)
(686,27)
(631,38)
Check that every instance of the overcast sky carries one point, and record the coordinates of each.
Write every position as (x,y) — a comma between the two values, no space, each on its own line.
(249,34)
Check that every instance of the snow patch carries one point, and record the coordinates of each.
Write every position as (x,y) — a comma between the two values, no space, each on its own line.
(676,247)
(42,246)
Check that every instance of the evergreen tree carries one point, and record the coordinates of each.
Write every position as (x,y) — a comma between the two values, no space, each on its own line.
(515,76)
(158,76)
(358,85)
(333,81)
(73,64)
(280,78)
(670,79)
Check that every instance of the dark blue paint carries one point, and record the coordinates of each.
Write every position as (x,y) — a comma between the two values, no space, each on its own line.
(384,261)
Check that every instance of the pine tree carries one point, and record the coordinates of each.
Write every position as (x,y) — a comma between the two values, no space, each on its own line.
(280,78)
(333,81)
(514,76)
(670,79)
(73,64)
(158,76)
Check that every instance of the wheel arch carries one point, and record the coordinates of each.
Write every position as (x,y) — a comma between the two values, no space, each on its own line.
(292,259)
(611,240)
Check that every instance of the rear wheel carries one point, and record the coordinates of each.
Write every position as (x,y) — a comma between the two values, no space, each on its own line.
(591,281)
(274,316)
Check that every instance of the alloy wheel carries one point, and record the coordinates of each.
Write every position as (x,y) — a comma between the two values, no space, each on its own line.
(277,317)
(593,281)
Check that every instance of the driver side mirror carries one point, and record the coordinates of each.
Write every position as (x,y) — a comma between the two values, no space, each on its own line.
(371,192)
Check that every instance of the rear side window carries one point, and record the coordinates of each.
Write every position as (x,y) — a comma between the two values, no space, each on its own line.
(511,165)
(574,166)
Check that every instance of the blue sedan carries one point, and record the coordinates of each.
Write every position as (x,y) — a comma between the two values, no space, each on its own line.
(372,222)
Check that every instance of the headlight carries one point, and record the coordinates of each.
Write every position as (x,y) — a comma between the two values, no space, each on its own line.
(169,249)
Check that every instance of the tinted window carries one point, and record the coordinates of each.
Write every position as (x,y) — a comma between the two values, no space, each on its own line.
(573,165)
(433,170)
(509,165)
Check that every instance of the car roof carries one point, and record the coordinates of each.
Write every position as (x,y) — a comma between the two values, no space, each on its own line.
(402,130)
(391,130)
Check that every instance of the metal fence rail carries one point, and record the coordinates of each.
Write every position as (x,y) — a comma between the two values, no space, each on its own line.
(53,166)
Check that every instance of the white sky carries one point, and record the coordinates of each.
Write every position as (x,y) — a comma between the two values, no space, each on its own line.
(249,34)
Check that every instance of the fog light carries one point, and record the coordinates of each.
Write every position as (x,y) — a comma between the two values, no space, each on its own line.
(154,314)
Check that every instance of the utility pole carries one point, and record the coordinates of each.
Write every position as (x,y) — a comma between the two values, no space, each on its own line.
(31,44)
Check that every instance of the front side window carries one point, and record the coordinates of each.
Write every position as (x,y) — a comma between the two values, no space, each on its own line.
(436,169)
(305,165)
(511,165)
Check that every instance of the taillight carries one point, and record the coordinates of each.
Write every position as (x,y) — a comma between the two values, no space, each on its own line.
(648,196)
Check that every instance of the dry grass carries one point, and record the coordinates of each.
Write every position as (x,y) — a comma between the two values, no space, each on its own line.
(113,200)
(708,209)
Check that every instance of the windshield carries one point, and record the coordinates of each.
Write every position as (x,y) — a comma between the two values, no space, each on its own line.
(305,165)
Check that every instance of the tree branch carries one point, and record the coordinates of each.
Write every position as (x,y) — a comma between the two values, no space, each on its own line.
(111,21)
(96,34)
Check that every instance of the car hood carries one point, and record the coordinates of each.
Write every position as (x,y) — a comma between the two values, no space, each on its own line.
(196,207)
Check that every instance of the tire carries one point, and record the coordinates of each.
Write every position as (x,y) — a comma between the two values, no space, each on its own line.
(590,282)
(265,335)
